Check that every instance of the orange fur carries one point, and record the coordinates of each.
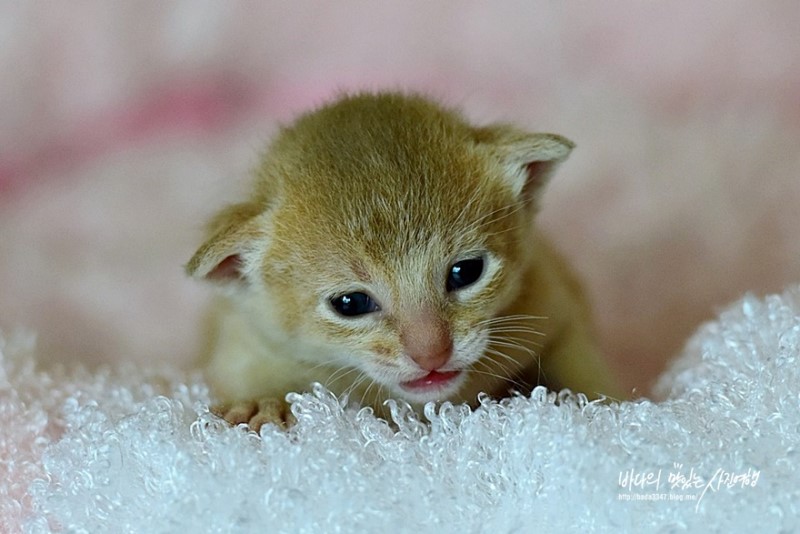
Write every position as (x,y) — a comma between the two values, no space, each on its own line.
(383,194)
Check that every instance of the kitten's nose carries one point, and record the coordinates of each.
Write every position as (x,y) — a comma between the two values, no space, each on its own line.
(433,359)
(427,341)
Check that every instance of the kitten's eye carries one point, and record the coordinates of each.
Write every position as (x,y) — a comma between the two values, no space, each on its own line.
(353,304)
(464,273)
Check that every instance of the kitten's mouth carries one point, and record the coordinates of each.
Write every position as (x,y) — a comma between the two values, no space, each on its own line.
(433,381)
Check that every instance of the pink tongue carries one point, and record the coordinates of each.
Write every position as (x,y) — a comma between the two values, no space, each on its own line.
(432,378)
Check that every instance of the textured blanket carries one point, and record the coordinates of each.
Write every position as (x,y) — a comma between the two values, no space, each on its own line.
(136,450)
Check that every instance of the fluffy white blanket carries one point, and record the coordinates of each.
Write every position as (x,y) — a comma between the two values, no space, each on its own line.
(135,450)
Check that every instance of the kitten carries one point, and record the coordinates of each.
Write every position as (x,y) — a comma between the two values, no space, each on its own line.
(388,250)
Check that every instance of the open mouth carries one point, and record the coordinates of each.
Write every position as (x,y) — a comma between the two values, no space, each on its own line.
(432,381)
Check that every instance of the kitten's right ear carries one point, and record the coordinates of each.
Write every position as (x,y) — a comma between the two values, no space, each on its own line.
(237,235)
(529,159)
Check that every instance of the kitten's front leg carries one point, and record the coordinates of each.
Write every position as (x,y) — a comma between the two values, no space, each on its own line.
(256,413)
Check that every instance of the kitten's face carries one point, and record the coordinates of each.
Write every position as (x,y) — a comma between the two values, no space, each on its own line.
(403,276)
(388,232)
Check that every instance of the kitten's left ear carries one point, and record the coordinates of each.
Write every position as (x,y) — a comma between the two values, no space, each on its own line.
(236,238)
(528,159)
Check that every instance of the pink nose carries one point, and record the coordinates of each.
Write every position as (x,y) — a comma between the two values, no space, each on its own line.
(427,341)
(434,358)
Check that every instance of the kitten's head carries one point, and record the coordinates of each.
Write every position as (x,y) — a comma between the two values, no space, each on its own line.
(388,229)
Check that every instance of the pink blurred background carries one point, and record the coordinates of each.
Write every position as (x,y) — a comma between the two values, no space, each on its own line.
(124,125)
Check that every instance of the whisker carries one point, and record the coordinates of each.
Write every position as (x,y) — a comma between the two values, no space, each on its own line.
(509,318)
(333,362)
(506,340)
(366,392)
(510,345)
(519,316)
(317,366)
(500,364)
(505,358)
(541,376)
(339,374)
(378,395)
(490,369)
(507,379)
(516,330)
(498,327)
(357,382)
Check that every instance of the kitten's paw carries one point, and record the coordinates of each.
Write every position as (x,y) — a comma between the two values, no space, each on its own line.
(256,413)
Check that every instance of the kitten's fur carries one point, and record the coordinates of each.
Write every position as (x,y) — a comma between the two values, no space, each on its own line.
(382,194)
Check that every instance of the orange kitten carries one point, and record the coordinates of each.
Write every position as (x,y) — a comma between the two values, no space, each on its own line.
(388,250)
